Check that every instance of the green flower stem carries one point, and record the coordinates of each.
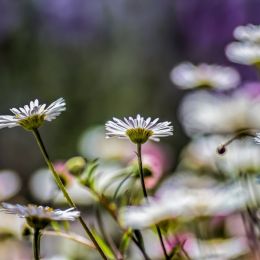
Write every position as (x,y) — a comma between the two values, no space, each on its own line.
(114,214)
(140,164)
(64,191)
(36,243)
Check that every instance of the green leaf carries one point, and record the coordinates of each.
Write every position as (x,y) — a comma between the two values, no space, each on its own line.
(56,226)
(120,185)
(108,252)
(125,241)
(86,177)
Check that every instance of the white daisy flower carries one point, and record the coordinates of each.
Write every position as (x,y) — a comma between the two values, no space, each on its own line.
(187,76)
(240,156)
(248,32)
(39,216)
(218,249)
(185,203)
(138,130)
(243,53)
(32,116)
(206,113)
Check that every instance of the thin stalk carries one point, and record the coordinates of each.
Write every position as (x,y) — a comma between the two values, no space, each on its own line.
(140,164)
(36,244)
(107,238)
(71,236)
(64,191)
(105,203)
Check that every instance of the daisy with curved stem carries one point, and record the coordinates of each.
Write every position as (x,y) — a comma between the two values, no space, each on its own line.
(31,117)
(38,217)
(139,131)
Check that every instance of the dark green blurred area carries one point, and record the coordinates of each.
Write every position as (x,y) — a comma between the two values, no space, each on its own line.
(120,70)
(106,58)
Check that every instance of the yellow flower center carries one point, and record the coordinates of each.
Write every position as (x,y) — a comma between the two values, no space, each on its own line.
(32,122)
(139,135)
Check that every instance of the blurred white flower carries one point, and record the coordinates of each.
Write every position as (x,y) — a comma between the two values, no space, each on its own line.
(109,176)
(14,249)
(10,224)
(207,249)
(138,130)
(201,153)
(241,156)
(44,189)
(204,112)
(243,53)
(9,184)
(32,116)
(217,249)
(92,145)
(185,203)
(249,32)
(189,180)
(187,76)
(257,138)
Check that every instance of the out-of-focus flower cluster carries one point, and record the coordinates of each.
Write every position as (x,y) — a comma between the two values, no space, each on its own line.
(207,208)
(216,180)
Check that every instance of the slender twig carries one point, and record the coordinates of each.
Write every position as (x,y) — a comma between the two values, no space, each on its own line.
(140,164)
(36,244)
(64,191)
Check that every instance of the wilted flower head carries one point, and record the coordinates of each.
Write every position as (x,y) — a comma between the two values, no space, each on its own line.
(39,216)
(138,130)
(33,115)
(187,76)
(250,33)
(244,53)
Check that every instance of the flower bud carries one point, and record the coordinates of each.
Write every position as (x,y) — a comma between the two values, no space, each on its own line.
(76,165)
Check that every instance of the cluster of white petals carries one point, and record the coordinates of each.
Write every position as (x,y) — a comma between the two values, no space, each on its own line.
(247,49)
(33,114)
(241,156)
(187,76)
(248,32)
(243,53)
(120,128)
(41,212)
(185,203)
(204,112)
